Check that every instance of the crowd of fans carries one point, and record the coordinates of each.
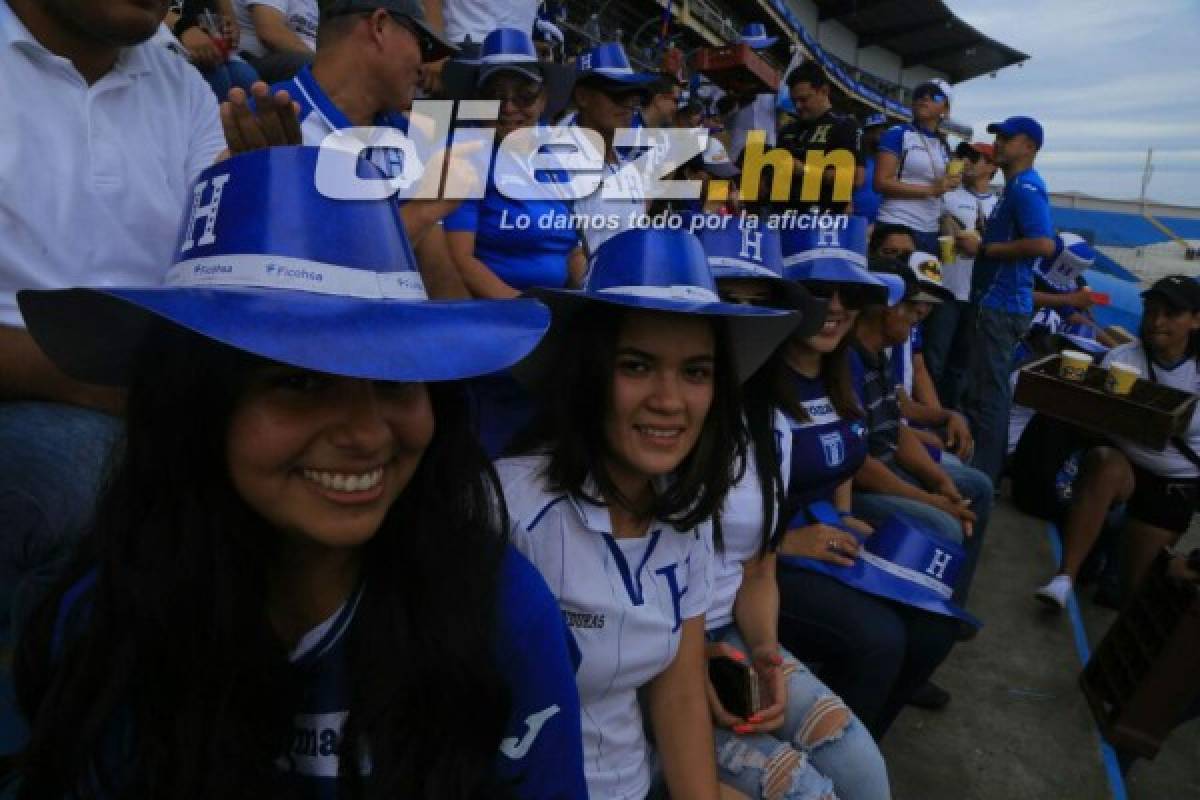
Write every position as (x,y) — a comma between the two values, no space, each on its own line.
(252,538)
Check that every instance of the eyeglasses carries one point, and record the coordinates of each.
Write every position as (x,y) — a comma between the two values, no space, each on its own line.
(854,296)
(932,94)
(896,253)
(521,99)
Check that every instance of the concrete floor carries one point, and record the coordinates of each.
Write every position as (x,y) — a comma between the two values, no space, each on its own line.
(1018,725)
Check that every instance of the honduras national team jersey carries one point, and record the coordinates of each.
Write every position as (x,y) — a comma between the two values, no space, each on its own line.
(625,601)
(1023,213)
(922,157)
(741,529)
(826,450)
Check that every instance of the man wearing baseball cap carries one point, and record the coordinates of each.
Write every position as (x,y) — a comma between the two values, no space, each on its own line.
(1018,232)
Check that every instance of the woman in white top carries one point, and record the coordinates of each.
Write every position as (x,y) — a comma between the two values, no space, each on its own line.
(630,456)
(1161,488)
(910,170)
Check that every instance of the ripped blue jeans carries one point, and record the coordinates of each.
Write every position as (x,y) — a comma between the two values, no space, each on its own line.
(821,752)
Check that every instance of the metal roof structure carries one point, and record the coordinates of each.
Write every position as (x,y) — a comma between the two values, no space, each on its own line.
(922,32)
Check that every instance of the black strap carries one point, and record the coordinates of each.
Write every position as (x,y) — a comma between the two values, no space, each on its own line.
(1178,441)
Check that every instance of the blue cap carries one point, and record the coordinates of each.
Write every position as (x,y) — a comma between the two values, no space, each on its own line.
(901,561)
(836,254)
(662,270)
(607,61)
(267,264)
(755,35)
(508,50)
(1014,125)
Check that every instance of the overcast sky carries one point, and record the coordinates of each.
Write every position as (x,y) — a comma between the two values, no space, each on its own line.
(1107,79)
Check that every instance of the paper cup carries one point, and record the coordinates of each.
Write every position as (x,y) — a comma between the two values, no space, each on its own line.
(1121,378)
(946,250)
(1074,365)
(954,167)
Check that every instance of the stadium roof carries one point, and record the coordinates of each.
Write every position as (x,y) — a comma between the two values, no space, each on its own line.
(921,32)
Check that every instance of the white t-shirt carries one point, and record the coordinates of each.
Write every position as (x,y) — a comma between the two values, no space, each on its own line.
(1168,463)
(922,160)
(302,18)
(741,529)
(94,180)
(605,217)
(971,210)
(624,600)
(756,116)
(478,18)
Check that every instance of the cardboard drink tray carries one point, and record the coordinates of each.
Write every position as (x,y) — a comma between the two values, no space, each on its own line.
(736,68)
(1149,415)
(1142,676)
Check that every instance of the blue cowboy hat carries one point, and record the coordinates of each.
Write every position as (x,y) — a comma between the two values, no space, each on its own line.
(607,63)
(267,264)
(755,35)
(900,561)
(836,253)
(736,252)
(1072,257)
(661,270)
(508,50)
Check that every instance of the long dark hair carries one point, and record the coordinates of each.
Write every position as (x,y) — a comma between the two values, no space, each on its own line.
(772,388)
(569,425)
(171,682)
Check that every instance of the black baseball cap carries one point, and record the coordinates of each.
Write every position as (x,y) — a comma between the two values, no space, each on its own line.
(433,46)
(1180,291)
(893,266)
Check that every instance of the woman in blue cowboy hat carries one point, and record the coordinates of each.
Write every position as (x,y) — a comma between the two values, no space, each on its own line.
(497,254)
(874,652)
(297,583)
(808,743)
(613,495)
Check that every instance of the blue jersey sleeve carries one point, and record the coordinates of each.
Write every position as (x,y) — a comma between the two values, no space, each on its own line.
(542,752)
(892,140)
(463,218)
(857,374)
(1031,207)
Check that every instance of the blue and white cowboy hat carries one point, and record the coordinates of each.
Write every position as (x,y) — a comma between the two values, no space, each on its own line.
(755,35)
(508,50)
(736,252)
(1072,257)
(267,264)
(900,561)
(875,120)
(836,253)
(660,270)
(608,63)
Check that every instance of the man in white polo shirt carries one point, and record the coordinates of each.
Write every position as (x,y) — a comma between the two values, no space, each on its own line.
(94,176)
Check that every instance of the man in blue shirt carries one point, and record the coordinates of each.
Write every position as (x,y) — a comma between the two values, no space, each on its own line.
(1018,232)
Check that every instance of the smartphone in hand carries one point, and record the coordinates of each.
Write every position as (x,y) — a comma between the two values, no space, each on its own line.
(736,684)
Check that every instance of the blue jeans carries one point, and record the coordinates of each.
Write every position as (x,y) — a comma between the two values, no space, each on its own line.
(52,459)
(847,762)
(947,349)
(234,72)
(971,483)
(988,397)
(873,652)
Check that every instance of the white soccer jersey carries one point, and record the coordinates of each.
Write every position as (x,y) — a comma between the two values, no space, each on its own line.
(301,16)
(741,529)
(1169,463)
(624,600)
(971,210)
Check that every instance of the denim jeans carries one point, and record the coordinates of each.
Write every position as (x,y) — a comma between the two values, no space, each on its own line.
(988,396)
(971,483)
(52,459)
(873,652)
(234,72)
(846,763)
(947,349)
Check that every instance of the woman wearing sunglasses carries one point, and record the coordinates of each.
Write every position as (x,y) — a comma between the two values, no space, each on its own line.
(873,652)
(801,741)
(497,254)
(911,168)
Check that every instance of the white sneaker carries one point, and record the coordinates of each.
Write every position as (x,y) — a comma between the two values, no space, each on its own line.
(1055,592)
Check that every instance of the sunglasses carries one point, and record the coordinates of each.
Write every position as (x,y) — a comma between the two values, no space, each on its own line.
(854,296)
(935,96)
(522,99)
